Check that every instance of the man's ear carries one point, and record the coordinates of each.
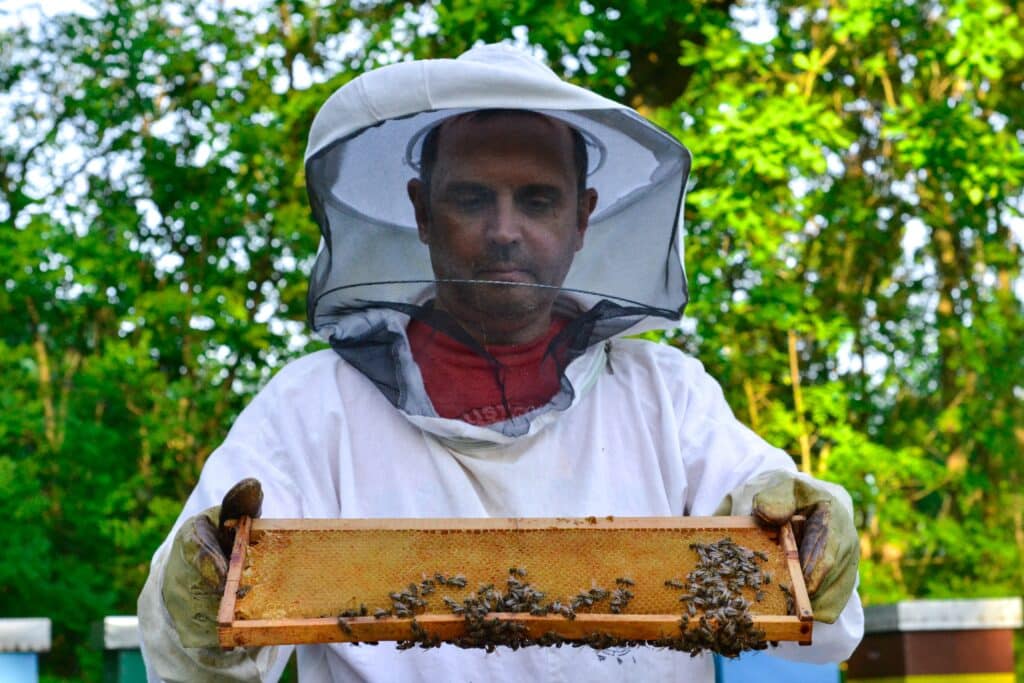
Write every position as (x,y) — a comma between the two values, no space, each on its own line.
(587,204)
(418,195)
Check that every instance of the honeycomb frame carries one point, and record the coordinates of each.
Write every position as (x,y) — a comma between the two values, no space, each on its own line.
(289,579)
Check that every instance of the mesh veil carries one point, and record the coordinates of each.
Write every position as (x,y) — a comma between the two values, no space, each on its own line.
(372,274)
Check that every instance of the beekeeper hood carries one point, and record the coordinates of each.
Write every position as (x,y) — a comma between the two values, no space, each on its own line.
(365,145)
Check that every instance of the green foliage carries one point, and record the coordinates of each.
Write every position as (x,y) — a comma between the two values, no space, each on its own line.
(860,127)
(853,244)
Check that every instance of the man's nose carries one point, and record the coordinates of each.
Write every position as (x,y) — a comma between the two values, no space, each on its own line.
(505,226)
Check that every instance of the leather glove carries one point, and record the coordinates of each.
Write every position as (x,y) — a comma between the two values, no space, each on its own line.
(829,546)
(197,567)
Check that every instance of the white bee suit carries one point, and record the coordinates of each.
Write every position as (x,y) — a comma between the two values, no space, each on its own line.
(649,434)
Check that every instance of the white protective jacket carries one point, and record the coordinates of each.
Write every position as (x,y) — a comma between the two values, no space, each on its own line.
(648,433)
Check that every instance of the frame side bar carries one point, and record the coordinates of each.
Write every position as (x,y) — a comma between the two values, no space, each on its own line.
(801,600)
(226,615)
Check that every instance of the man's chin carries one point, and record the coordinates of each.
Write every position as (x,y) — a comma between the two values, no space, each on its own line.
(499,302)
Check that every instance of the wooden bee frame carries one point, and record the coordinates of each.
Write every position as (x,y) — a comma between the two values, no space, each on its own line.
(289,580)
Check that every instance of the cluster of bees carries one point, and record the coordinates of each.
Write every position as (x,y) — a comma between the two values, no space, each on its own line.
(519,596)
(617,599)
(712,594)
(715,589)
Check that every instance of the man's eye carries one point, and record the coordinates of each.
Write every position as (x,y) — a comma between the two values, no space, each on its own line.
(538,204)
(469,202)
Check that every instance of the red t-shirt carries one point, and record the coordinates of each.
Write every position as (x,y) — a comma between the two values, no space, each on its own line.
(463,385)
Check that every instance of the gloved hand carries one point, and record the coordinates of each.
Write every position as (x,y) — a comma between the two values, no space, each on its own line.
(197,568)
(829,546)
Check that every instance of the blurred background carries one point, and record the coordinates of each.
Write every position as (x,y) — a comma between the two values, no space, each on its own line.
(853,241)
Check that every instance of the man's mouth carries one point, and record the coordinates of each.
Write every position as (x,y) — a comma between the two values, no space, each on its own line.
(505,274)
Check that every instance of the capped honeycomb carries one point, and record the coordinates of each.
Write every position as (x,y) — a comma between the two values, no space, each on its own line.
(303,572)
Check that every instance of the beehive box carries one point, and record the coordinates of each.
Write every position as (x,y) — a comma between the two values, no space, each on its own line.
(289,580)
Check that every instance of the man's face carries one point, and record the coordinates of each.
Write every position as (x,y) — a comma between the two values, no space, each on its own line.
(502,206)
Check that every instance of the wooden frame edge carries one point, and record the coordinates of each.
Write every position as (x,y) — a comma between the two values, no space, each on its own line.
(801,601)
(448,627)
(506,524)
(226,614)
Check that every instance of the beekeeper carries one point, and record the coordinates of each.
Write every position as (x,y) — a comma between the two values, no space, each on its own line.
(491,234)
